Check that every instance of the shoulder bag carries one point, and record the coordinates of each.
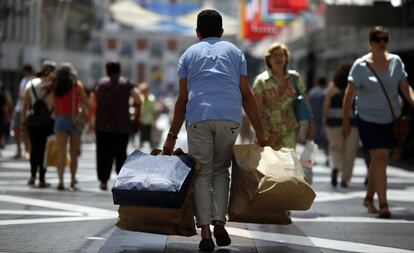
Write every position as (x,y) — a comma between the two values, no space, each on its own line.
(400,128)
(79,118)
(302,109)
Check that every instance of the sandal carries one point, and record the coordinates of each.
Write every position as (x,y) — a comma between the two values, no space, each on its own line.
(369,203)
(384,213)
(221,235)
(206,245)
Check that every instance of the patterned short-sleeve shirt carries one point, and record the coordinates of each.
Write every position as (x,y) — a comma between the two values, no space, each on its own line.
(277,111)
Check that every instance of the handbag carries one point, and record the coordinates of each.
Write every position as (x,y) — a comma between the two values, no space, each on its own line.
(400,127)
(302,109)
(52,153)
(79,119)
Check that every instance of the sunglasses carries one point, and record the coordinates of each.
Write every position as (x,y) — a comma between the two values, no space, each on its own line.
(379,39)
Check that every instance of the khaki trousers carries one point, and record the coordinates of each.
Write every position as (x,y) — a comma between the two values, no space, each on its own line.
(210,143)
(342,151)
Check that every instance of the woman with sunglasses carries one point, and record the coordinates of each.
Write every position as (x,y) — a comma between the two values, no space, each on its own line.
(375,120)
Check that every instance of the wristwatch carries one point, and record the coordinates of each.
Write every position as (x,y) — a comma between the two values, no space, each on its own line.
(173,136)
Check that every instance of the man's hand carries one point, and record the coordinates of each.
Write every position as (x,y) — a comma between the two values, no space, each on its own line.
(169,144)
(262,141)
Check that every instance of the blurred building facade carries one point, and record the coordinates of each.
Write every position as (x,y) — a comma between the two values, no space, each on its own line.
(147,38)
(35,30)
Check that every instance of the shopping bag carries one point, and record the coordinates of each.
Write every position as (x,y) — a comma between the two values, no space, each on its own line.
(161,220)
(273,180)
(153,180)
(243,209)
(307,159)
(51,153)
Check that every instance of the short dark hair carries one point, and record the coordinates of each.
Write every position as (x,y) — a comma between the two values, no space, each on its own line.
(322,82)
(113,67)
(209,23)
(375,31)
(27,68)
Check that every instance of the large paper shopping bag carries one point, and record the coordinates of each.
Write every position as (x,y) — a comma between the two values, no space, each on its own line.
(266,181)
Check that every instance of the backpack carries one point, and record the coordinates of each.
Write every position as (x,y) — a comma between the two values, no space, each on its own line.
(39,115)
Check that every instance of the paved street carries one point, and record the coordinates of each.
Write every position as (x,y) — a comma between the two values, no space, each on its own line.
(45,220)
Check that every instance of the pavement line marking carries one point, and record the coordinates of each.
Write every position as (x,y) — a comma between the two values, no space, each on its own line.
(95,238)
(360,180)
(351,219)
(53,220)
(317,242)
(52,189)
(85,210)
(39,212)
(392,194)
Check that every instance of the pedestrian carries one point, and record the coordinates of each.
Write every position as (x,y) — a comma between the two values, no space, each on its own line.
(112,122)
(213,88)
(70,100)
(20,132)
(375,120)
(316,99)
(6,113)
(37,116)
(275,93)
(342,151)
(148,115)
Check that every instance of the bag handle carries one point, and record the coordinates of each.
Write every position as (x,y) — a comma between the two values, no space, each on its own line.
(383,89)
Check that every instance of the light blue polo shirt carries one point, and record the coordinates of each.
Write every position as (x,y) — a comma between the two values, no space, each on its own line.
(372,106)
(213,68)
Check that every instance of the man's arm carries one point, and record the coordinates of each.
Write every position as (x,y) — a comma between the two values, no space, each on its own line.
(178,118)
(137,106)
(25,109)
(250,107)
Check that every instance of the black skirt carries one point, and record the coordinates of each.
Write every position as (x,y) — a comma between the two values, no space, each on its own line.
(376,136)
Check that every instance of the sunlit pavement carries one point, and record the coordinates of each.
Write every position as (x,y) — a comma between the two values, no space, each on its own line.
(45,220)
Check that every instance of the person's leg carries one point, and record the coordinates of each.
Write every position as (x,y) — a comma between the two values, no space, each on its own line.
(379,161)
(17,139)
(61,140)
(201,148)
(26,140)
(225,136)
(104,158)
(33,156)
(335,151)
(75,142)
(349,154)
(43,134)
(17,133)
(120,151)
